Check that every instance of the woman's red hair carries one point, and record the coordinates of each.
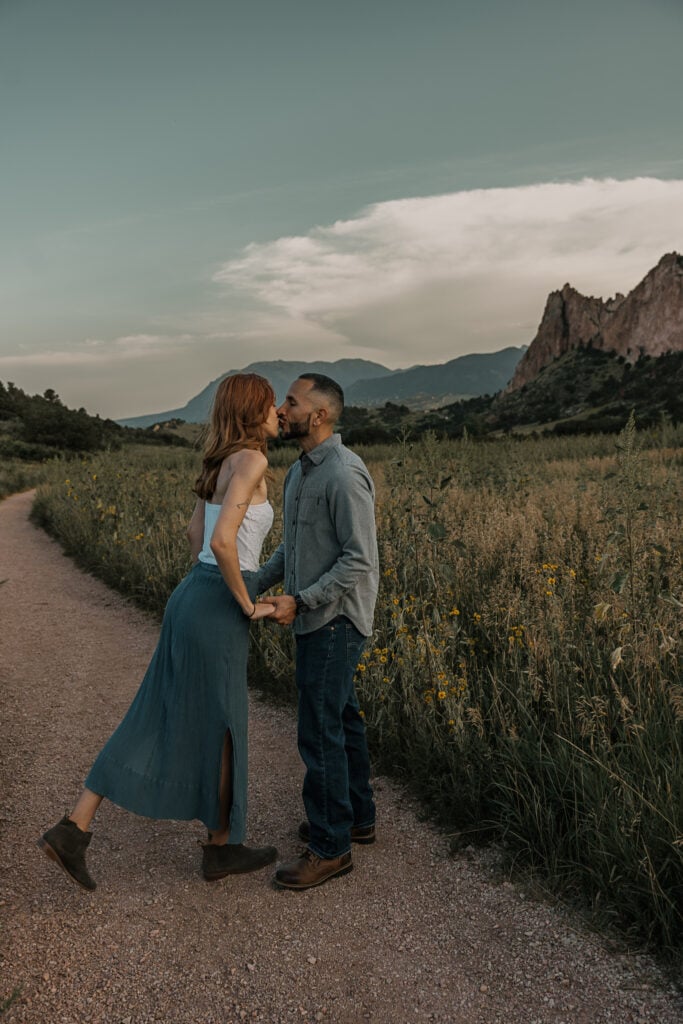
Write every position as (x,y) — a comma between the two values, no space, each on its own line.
(240,409)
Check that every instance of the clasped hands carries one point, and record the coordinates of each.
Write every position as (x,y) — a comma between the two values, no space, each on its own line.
(280,609)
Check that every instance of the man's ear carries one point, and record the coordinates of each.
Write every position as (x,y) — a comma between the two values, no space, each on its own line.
(322,415)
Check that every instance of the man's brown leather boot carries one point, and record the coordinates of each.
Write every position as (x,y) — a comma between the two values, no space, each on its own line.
(310,870)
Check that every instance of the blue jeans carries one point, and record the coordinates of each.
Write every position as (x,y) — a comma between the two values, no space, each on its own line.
(332,743)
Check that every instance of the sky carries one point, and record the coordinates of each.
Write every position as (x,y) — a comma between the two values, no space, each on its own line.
(187,188)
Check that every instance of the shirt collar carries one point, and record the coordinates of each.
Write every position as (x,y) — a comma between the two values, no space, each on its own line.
(320,452)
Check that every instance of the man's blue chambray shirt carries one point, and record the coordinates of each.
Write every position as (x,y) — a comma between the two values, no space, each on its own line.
(329,550)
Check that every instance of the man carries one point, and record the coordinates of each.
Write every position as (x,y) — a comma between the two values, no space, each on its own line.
(328,560)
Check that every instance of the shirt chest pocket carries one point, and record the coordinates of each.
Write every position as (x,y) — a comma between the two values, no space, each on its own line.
(310,510)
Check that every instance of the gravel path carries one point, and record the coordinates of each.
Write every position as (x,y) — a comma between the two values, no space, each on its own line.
(410,935)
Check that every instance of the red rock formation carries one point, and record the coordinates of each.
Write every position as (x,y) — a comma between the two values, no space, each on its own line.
(648,321)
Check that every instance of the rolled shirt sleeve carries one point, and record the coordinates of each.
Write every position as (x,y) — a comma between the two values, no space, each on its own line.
(272,571)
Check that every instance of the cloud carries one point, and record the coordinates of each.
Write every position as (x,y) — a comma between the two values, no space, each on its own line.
(116,377)
(416,280)
(142,373)
(96,352)
(142,345)
(427,278)
(47,359)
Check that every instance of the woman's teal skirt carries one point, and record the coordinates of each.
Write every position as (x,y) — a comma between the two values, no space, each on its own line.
(164,760)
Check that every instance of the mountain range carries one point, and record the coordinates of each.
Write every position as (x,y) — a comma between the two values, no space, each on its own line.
(366,383)
(426,386)
(646,323)
(591,363)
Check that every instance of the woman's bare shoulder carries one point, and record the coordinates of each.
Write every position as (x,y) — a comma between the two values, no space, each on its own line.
(246,466)
(247,460)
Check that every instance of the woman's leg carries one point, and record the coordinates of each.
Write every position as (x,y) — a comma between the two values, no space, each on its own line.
(84,811)
(220,857)
(221,837)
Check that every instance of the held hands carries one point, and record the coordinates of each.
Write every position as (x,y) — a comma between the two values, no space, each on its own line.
(262,610)
(284,609)
(280,609)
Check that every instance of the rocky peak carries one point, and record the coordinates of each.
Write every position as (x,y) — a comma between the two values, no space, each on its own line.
(647,321)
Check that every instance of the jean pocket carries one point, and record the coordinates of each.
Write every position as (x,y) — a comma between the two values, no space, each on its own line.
(355,642)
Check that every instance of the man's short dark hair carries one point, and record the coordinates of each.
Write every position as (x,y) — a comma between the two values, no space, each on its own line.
(329,388)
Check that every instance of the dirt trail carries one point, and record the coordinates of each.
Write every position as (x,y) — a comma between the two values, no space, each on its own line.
(409,936)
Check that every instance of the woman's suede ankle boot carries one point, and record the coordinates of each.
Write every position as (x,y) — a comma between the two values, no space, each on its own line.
(65,843)
(234,859)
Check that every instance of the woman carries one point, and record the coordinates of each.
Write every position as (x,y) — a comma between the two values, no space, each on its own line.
(181,750)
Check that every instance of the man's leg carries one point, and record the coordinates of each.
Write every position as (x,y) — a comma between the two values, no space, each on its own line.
(322,673)
(355,741)
(358,759)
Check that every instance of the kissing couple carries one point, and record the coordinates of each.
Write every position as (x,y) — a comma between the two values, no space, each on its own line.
(180,751)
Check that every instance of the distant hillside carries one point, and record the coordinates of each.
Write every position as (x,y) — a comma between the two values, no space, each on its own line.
(34,428)
(280,372)
(428,386)
(583,391)
(646,322)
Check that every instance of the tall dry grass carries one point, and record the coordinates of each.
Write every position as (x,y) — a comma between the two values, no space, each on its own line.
(18,475)
(524,674)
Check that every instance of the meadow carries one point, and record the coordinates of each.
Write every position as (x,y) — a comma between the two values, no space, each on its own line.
(17,475)
(524,675)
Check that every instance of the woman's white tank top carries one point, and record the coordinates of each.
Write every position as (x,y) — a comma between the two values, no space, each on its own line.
(250,536)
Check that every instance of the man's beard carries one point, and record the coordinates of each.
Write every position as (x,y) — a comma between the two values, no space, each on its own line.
(297,430)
